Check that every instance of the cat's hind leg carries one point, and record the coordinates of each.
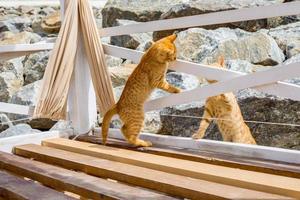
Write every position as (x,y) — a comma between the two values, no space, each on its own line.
(131,132)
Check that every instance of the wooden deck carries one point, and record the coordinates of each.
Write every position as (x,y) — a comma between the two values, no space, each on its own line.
(60,167)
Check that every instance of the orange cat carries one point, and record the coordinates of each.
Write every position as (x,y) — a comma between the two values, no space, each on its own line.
(225,106)
(148,75)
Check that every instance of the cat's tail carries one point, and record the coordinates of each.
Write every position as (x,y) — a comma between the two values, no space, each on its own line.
(106,121)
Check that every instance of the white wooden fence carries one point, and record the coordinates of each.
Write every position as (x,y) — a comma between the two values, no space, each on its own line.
(266,81)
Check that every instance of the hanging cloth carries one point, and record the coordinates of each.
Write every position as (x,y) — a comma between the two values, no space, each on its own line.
(52,100)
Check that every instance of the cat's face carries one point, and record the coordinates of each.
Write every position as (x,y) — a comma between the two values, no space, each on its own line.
(165,49)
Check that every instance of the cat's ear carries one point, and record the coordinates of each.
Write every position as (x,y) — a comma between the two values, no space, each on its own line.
(221,61)
(172,38)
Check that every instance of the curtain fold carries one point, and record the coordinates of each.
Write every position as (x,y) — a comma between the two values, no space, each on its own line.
(52,99)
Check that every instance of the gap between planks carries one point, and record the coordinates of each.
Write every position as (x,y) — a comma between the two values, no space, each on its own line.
(172,184)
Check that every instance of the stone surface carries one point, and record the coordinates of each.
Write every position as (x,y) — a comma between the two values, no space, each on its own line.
(291,60)
(113,61)
(51,23)
(4,122)
(24,37)
(20,129)
(287,38)
(205,46)
(15,24)
(130,41)
(11,78)
(34,67)
(119,75)
(27,95)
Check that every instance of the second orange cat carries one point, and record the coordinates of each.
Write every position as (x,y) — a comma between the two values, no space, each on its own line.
(231,123)
(148,75)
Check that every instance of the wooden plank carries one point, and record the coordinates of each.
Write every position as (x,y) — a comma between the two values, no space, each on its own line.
(15,188)
(77,183)
(230,148)
(237,15)
(225,175)
(181,186)
(259,165)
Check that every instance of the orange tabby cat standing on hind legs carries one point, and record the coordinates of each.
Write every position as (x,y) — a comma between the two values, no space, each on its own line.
(148,75)
(231,123)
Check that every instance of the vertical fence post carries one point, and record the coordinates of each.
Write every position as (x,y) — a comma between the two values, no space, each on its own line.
(82,109)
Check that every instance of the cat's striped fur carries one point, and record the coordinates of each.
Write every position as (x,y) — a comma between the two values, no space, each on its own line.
(225,106)
(148,75)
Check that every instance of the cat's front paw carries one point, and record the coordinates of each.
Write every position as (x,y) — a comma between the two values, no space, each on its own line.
(196,136)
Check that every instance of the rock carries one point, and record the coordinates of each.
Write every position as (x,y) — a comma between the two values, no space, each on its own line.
(140,11)
(244,66)
(119,75)
(9,84)
(113,61)
(205,46)
(4,122)
(20,129)
(34,66)
(51,23)
(62,126)
(287,38)
(27,95)
(291,60)
(15,24)
(11,78)
(130,41)
(19,38)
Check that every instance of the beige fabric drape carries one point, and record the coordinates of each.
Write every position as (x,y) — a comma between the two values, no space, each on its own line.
(56,82)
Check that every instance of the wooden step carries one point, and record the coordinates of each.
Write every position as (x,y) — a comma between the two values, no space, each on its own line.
(16,188)
(275,184)
(177,185)
(258,165)
(77,183)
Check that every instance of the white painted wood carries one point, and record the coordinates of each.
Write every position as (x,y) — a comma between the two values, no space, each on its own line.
(7,144)
(282,89)
(222,17)
(234,149)
(258,79)
(16,109)
(82,99)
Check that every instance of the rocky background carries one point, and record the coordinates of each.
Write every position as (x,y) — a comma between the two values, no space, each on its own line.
(247,46)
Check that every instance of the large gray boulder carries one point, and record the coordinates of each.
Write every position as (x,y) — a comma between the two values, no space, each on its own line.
(27,95)
(34,66)
(4,122)
(11,78)
(24,37)
(130,41)
(205,46)
(287,38)
(15,24)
